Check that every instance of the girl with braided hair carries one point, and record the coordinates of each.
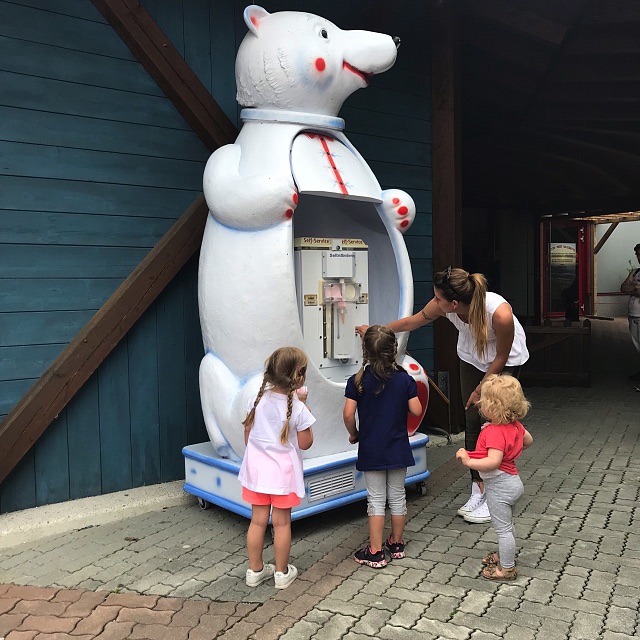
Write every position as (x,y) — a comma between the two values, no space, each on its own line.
(276,429)
(383,394)
(490,340)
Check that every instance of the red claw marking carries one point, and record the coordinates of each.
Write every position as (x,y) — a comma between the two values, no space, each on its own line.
(295,198)
(321,65)
(396,201)
(288,214)
(414,367)
(404,224)
(402,211)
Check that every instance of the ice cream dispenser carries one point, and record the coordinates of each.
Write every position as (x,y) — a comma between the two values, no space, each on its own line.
(332,291)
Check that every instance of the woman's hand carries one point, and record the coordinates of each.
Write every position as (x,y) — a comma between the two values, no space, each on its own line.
(361,329)
(473,398)
(462,456)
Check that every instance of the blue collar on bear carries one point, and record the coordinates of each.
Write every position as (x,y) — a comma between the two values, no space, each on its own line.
(293,117)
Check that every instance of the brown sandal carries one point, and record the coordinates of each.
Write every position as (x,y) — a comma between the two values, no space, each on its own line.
(491,559)
(491,573)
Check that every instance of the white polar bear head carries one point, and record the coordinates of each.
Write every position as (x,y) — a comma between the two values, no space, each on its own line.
(296,61)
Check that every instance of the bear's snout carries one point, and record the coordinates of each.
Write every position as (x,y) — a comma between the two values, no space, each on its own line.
(397,41)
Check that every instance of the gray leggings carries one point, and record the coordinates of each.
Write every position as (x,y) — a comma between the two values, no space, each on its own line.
(386,486)
(502,493)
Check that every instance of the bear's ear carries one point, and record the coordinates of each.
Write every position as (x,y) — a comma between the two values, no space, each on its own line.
(252,16)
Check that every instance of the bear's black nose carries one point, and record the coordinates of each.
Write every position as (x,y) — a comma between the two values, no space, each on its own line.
(397,41)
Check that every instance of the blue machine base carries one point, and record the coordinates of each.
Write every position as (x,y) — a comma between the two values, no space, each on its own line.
(330,481)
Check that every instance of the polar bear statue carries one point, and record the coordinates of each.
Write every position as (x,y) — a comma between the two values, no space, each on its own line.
(291,170)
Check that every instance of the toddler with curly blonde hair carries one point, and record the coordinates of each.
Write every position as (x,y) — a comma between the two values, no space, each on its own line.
(499,445)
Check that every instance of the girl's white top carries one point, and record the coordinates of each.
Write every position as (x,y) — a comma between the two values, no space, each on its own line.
(268,466)
(467,344)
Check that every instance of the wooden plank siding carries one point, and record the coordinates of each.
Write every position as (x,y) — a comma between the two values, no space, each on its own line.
(97,166)
(101,164)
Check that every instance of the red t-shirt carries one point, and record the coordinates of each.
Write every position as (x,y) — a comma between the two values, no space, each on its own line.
(507,438)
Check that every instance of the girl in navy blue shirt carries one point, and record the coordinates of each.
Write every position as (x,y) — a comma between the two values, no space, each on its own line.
(382,394)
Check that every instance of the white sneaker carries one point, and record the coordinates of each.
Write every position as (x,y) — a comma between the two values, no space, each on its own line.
(476,499)
(479,515)
(254,578)
(283,580)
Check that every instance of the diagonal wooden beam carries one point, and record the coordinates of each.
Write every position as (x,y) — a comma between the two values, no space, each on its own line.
(167,67)
(30,418)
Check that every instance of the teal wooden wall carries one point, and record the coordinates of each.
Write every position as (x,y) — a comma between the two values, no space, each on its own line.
(97,165)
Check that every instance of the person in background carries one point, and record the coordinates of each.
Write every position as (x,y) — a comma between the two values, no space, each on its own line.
(631,286)
(277,427)
(383,394)
(490,340)
(499,445)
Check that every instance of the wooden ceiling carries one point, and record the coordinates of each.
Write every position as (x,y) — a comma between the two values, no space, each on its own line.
(550,95)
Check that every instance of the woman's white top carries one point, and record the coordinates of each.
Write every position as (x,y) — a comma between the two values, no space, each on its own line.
(467,344)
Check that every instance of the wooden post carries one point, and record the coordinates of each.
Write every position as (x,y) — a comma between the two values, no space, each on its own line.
(447,191)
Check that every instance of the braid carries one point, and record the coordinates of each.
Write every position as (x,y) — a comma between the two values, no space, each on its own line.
(284,434)
(248,421)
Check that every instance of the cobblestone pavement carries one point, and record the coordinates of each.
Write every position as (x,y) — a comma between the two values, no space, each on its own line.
(178,572)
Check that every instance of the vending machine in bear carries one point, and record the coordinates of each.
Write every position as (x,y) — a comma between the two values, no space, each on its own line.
(332,290)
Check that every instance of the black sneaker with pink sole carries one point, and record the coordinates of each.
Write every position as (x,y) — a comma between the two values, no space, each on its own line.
(376,560)
(395,549)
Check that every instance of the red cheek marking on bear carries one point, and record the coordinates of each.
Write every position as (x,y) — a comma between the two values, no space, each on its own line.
(288,213)
(396,200)
(402,211)
(404,223)
(320,64)
(295,198)
(414,367)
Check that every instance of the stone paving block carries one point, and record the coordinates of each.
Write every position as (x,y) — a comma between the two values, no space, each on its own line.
(587,626)
(475,602)
(519,632)
(300,607)
(11,621)
(570,585)
(186,613)
(336,627)
(95,622)
(407,614)
(274,628)
(611,635)
(48,624)
(457,631)
(621,620)
(596,596)
(371,622)
(389,632)
(576,604)
(345,608)
(412,595)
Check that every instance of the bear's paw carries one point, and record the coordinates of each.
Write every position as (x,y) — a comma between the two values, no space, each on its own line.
(399,208)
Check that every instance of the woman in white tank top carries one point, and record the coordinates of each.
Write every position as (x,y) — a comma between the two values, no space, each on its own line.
(490,340)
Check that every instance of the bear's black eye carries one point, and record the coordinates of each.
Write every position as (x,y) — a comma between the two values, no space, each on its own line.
(324,34)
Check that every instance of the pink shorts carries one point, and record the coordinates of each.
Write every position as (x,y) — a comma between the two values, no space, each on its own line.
(279,502)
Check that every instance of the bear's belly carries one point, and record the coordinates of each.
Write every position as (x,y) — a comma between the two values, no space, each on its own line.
(247,302)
